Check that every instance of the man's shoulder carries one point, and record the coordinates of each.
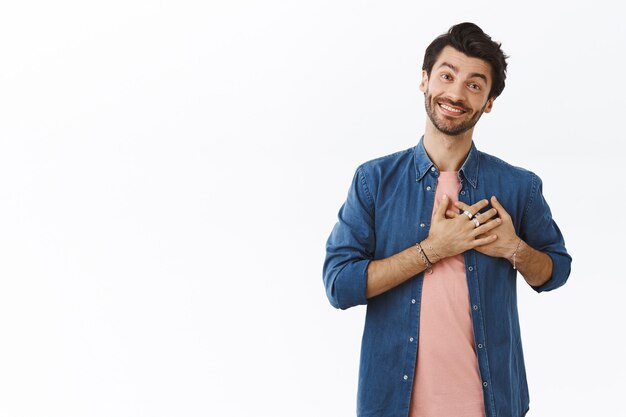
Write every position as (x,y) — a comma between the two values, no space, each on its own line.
(388,163)
(492,164)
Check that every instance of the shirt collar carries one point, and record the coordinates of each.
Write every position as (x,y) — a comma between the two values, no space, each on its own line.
(469,169)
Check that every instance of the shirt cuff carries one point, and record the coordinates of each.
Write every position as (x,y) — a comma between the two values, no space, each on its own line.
(561,267)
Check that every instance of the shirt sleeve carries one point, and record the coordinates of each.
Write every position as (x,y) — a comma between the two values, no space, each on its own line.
(540,231)
(350,247)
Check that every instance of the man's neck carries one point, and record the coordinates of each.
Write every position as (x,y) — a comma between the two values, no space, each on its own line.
(447,152)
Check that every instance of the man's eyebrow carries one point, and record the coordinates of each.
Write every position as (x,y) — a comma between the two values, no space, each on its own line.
(445,64)
(472,75)
(479,75)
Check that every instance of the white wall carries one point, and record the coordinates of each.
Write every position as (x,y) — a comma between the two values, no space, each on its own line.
(170,171)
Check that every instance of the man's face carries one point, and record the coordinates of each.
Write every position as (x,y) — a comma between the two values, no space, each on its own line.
(456,94)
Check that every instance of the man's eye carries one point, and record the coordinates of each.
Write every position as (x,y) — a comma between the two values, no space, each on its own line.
(445,76)
(474,86)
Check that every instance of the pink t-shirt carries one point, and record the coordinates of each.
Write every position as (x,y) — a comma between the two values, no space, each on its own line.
(447,380)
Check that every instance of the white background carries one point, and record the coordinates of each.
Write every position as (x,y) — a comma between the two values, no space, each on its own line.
(170,171)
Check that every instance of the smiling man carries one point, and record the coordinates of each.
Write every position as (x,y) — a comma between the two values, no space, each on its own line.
(431,239)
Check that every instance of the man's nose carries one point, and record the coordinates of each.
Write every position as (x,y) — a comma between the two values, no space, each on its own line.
(457,91)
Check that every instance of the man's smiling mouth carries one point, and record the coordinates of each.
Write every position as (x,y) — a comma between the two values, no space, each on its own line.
(450,108)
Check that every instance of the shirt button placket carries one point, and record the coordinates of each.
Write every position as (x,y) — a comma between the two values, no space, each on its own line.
(413,301)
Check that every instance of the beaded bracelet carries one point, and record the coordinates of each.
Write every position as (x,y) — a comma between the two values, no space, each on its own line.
(515,253)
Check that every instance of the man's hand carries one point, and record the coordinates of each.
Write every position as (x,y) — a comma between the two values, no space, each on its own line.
(507,240)
(535,266)
(449,237)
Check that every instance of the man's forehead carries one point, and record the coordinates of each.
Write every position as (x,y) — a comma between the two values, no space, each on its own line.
(458,62)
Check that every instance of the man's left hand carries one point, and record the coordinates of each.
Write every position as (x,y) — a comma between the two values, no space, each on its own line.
(506,243)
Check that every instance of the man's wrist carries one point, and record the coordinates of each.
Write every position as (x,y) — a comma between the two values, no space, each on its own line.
(514,257)
(431,253)
(427,264)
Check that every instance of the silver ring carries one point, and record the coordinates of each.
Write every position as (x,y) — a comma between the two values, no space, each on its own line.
(468,214)
(476,222)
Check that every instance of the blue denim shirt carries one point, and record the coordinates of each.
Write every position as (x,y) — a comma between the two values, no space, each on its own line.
(388,209)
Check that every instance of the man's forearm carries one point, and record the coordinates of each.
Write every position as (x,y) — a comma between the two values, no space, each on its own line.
(385,274)
(535,266)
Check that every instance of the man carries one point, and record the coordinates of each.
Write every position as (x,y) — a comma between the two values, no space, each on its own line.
(431,239)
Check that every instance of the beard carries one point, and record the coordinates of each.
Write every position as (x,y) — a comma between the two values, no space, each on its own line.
(450,126)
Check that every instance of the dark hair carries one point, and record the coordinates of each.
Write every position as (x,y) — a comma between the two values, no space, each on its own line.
(469,39)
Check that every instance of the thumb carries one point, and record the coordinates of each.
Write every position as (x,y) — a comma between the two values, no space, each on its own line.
(495,203)
(440,213)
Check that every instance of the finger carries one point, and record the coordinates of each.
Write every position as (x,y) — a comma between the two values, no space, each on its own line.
(484,217)
(485,240)
(498,206)
(464,208)
(461,205)
(452,214)
(443,205)
(473,209)
(484,228)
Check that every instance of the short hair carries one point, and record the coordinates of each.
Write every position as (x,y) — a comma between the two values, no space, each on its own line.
(470,39)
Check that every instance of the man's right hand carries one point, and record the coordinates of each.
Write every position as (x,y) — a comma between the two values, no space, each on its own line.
(449,237)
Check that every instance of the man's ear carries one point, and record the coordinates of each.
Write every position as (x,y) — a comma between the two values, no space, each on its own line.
(489,105)
(424,82)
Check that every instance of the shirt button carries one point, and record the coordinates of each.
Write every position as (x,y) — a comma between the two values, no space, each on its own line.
(413,301)
(406,377)
(432,169)
(471,268)
(422,225)
(475,307)
(428,188)
(480,346)
(485,384)
(463,192)
(410,339)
